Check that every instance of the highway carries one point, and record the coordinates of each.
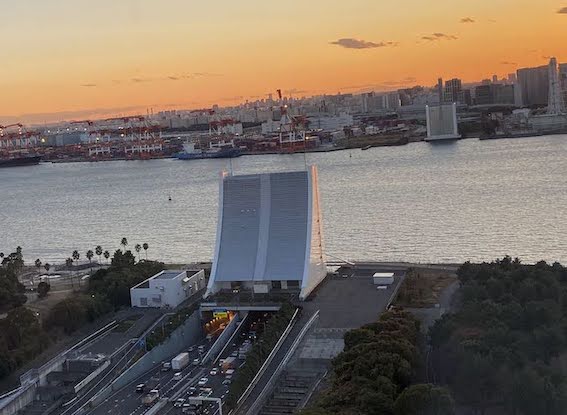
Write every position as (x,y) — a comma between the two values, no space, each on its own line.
(217,382)
(128,402)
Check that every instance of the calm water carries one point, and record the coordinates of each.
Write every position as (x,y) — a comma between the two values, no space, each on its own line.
(468,200)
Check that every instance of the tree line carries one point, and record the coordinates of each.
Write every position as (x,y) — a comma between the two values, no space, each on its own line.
(256,357)
(23,336)
(503,349)
(374,373)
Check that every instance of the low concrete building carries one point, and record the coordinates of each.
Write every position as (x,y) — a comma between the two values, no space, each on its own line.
(167,289)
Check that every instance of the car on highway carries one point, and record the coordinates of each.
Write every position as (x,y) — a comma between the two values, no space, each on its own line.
(227,382)
(140,388)
(179,402)
(191,349)
(178,376)
(203,381)
(214,372)
(196,362)
(166,367)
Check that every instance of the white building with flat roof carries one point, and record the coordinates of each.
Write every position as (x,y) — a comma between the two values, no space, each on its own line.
(167,289)
(269,234)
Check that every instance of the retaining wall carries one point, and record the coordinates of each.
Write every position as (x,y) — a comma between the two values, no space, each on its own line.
(184,336)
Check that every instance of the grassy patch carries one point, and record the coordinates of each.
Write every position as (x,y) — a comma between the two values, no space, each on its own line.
(423,288)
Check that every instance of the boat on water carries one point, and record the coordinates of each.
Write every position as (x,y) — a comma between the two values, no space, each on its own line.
(20,161)
(191,153)
(366,148)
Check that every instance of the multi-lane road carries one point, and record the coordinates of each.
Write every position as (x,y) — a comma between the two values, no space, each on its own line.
(172,387)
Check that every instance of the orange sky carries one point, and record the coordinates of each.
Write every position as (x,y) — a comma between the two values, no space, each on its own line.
(66,56)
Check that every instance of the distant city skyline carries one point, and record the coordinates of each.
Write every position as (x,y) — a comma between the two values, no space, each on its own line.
(62,60)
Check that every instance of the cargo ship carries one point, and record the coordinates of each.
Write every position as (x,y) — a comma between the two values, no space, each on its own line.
(190,153)
(20,161)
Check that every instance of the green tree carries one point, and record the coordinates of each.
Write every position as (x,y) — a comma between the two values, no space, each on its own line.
(76,256)
(424,399)
(90,255)
(98,252)
(146,246)
(38,266)
(124,243)
(138,248)
(42,289)
(69,265)
(106,255)
(47,266)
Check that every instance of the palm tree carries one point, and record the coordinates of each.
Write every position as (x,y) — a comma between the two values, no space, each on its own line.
(124,243)
(146,246)
(90,255)
(106,255)
(38,266)
(47,266)
(138,248)
(1,255)
(76,256)
(69,264)
(98,251)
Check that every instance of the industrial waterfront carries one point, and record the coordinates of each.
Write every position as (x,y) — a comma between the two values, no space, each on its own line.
(466,200)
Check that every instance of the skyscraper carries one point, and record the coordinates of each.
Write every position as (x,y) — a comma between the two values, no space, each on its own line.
(453,91)
(555,104)
(563,80)
(534,84)
(440,90)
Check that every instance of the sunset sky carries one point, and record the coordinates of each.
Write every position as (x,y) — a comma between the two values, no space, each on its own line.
(73,58)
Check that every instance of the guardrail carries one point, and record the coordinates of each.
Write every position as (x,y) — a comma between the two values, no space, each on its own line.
(229,341)
(268,360)
(257,405)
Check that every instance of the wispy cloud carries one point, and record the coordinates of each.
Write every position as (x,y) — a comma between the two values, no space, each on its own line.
(88,85)
(562,10)
(350,43)
(140,80)
(507,63)
(171,77)
(438,36)
(467,20)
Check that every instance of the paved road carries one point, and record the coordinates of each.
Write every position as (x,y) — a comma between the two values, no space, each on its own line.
(128,401)
(215,382)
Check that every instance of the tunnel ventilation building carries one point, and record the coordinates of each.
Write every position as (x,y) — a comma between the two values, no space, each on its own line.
(269,234)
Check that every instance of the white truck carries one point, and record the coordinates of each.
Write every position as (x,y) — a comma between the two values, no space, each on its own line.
(151,397)
(383,278)
(180,361)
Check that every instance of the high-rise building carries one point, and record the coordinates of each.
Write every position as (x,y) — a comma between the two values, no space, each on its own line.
(440,89)
(512,78)
(453,91)
(534,83)
(494,94)
(494,79)
(555,104)
(563,80)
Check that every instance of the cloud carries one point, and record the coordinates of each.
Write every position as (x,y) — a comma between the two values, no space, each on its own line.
(350,43)
(562,10)
(295,91)
(467,20)
(88,85)
(438,36)
(507,63)
(140,80)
